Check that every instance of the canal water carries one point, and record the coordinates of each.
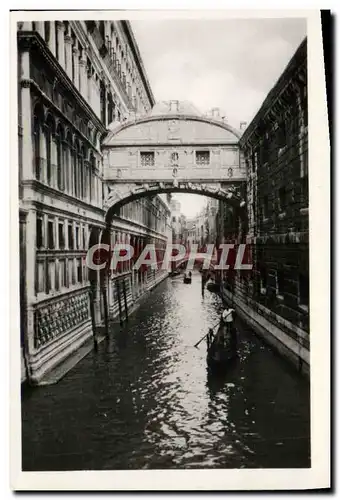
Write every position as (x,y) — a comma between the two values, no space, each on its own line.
(145,400)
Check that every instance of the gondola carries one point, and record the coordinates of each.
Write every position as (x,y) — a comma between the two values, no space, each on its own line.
(212,286)
(220,354)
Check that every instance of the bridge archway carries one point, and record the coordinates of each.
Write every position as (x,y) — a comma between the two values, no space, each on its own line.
(173,149)
(120,195)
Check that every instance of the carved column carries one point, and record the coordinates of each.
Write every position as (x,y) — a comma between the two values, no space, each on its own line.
(64,166)
(54,163)
(40,28)
(30,275)
(96,290)
(76,66)
(82,75)
(89,86)
(51,42)
(57,280)
(43,156)
(61,47)
(26,121)
(68,54)
(26,26)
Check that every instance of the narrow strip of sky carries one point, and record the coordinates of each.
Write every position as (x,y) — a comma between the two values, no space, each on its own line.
(227,63)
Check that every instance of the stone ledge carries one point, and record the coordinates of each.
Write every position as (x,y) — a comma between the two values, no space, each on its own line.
(287,346)
(70,362)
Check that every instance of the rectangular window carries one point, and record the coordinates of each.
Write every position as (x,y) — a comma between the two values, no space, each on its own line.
(280,281)
(50,233)
(304,191)
(147,158)
(202,157)
(304,105)
(61,235)
(265,207)
(304,166)
(263,279)
(282,199)
(77,238)
(303,290)
(254,161)
(39,236)
(79,271)
(70,237)
(57,275)
(62,271)
(85,277)
(282,135)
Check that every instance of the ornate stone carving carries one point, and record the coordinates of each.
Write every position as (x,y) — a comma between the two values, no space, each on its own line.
(58,317)
(173,129)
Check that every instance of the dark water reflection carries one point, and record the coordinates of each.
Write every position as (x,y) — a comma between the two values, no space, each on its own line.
(146,401)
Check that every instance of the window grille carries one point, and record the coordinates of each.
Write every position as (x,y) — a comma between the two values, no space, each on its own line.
(147,159)
(202,157)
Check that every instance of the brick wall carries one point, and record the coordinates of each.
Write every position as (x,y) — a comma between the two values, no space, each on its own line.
(275,148)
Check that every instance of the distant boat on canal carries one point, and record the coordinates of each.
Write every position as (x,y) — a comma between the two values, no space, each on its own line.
(187,278)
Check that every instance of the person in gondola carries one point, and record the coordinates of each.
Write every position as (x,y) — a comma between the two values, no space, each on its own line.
(227,321)
(228,316)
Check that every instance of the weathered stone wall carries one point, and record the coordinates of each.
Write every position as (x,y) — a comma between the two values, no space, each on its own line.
(275,147)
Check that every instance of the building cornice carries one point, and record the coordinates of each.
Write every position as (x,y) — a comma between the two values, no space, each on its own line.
(41,188)
(104,68)
(138,60)
(34,85)
(28,40)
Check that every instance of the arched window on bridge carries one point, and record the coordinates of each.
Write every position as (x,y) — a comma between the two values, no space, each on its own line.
(202,157)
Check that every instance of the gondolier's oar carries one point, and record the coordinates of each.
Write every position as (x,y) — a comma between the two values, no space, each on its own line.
(198,343)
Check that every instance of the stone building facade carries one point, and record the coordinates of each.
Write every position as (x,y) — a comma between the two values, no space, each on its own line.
(74,79)
(275,298)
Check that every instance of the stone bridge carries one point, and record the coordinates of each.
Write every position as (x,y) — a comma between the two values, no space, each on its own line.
(173,149)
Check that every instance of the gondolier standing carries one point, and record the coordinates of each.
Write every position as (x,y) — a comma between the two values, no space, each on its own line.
(228,317)
(227,321)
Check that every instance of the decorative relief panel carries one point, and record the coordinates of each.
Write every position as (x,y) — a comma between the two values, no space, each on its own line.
(60,316)
(188,131)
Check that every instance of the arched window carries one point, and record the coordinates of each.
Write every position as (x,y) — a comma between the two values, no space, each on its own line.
(36,145)
(68,162)
(82,172)
(48,140)
(76,161)
(91,174)
(60,162)
(73,172)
